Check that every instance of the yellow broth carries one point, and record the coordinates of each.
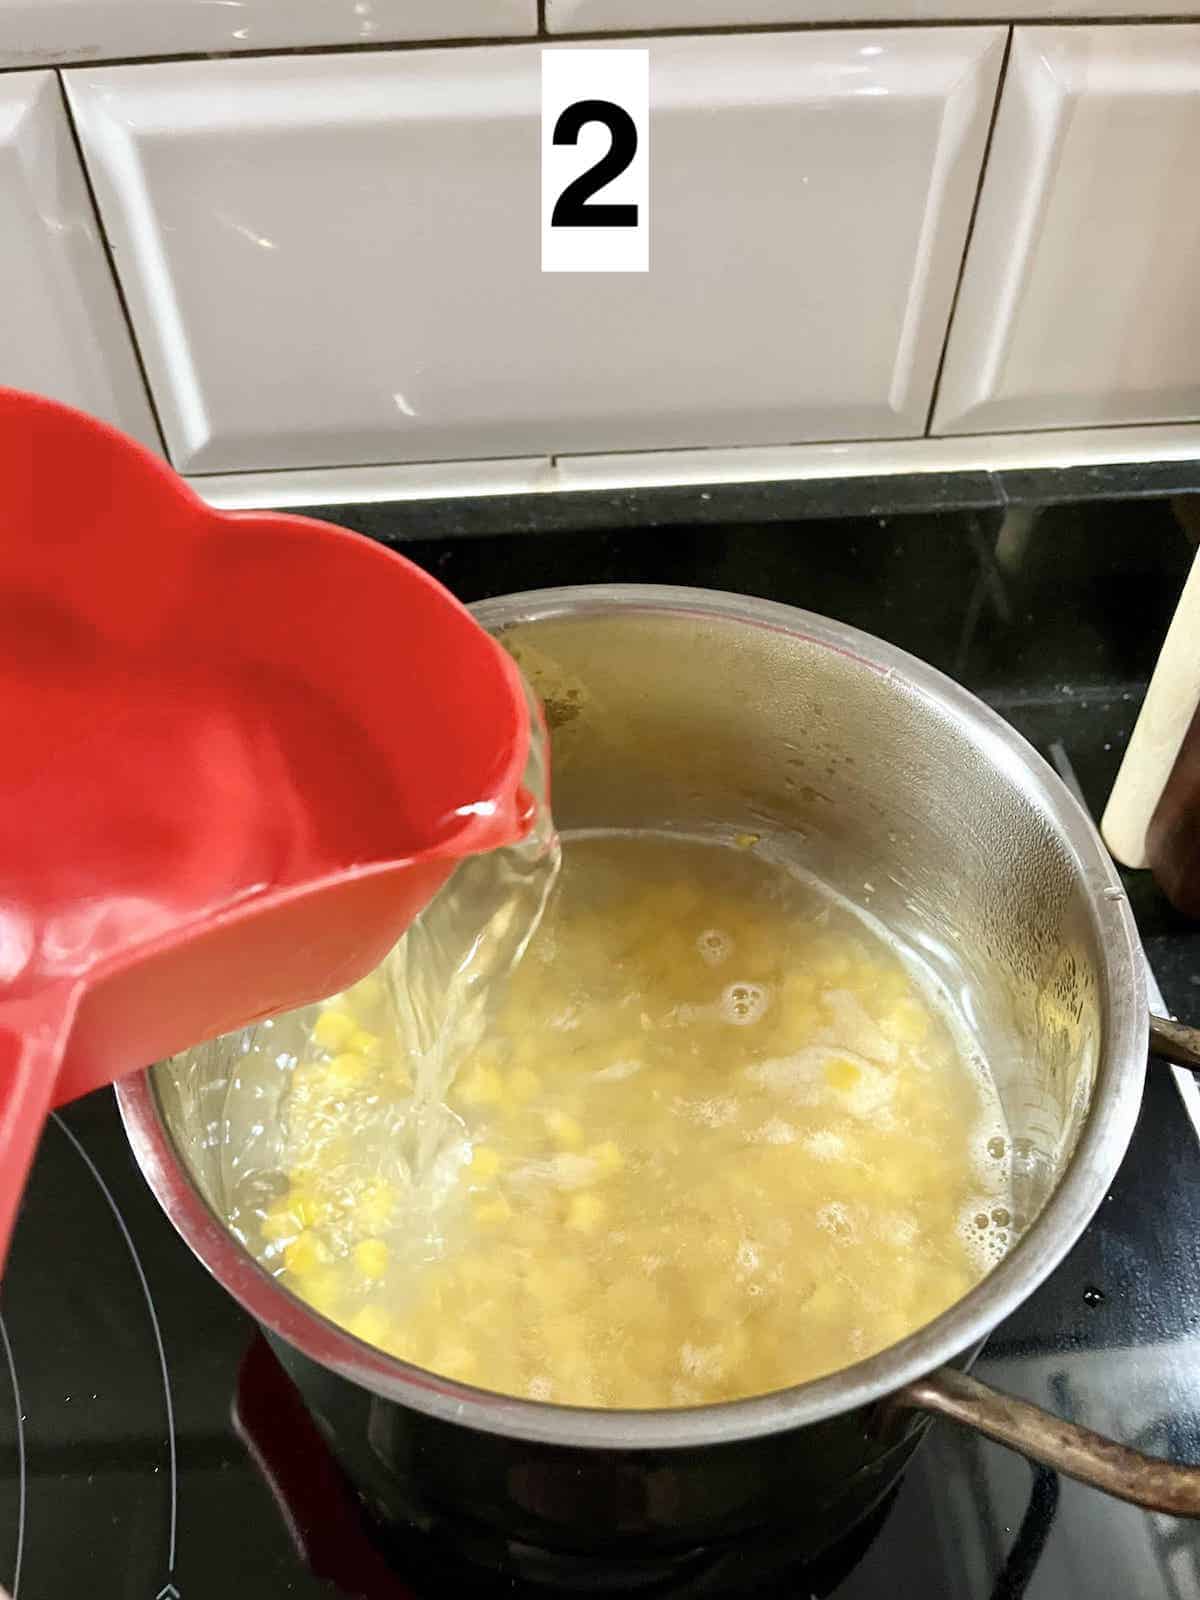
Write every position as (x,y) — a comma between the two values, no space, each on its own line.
(720,1137)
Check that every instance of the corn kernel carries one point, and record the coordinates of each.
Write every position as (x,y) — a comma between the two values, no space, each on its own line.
(481,1086)
(841,1074)
(564,1130)
(333,1030)
(892,1180)
(528,1047)
(305,1254)
(404,1344)
(279,1226)
(481,1275)
(307,1078)
(607,1156)
(634,1301)
(376,1203)
(563,1282)
(907,1022)
(485,1162)
(492,1210)
(667,1085)
(747,841)
(523,1084)
(309,1210)
(323,1290)
(585,1212)
(454,1361)
(363,1042)
(488,1055)
(346,1072)
(371,1257)
(833,968)
(436,1291)
(369,1324)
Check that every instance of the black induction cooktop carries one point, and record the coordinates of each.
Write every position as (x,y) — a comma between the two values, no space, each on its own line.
(150,1445)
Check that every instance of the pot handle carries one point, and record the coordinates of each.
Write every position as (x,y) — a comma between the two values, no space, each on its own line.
(1175,1042)
(1075,1451)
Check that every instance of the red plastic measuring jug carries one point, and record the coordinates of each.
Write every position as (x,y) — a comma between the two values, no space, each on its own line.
(238,753)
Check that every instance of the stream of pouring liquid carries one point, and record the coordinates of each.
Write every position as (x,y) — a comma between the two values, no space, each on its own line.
(446,973)
(440,987)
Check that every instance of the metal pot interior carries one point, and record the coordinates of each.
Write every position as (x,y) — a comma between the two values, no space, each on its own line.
(690,711)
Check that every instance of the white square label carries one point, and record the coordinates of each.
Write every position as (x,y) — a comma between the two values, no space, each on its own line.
(595,160)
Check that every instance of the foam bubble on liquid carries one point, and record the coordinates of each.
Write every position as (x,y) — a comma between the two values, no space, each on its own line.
(991,1147)
(797,1076)
(714,1113)
(618,1071)
(824,1145)
(748,1257)
(742,1004)
(985,1230)
(715,946)
(702,1361)
(899,1229)
(775,1131)
(985,1224)
(855,1027)
(567,1170)
(835,1218)
(871,1093)
(805,1078)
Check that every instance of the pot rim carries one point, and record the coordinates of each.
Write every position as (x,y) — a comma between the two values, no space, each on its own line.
(1116,1097)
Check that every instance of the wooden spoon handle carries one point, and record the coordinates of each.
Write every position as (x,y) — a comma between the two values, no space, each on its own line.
(1170,702)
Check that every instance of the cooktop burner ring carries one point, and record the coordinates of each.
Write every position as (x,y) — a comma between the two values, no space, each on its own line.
(156,1329)
(22,1479)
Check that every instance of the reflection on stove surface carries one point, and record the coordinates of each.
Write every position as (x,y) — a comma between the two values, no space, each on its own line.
(338,1540)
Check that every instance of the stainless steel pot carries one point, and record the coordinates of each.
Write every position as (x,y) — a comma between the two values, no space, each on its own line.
(686,707)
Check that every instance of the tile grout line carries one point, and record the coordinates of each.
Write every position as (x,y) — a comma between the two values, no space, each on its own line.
(970,234)
(716,30)
(110,261)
